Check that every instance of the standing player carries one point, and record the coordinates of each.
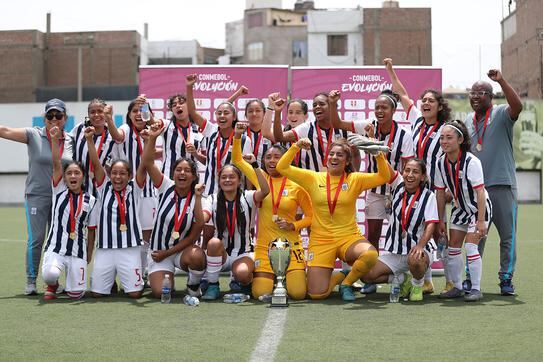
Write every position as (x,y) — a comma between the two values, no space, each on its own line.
(461,172)
(409,236)
(400,143)
(105,135)
(277,219)
(231,211)
(491,131)
(334,231)
(119,231)
(179,221)
(38,197)
(426,125)
(71,234)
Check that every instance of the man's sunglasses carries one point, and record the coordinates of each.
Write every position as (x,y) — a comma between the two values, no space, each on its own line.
(58,116)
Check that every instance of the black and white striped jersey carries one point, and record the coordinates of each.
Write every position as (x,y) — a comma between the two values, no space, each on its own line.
(175,139)
(462,180)
(110,234)
(240,241)
(161,237)
(259,143)
(418,212)
(212,138)
(85,214)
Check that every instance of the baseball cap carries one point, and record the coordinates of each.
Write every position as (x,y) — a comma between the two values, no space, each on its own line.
(55,104)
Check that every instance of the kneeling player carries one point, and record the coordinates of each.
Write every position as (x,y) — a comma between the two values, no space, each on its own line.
(409,237)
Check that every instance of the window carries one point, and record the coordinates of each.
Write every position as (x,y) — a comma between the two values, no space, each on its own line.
(299,49)
(255,51)
(254,20)
(337,44)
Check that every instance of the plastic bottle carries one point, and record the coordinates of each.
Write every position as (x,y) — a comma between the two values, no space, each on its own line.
(190,300)
(395,290)
(145,112)
(166,297)
(235,298)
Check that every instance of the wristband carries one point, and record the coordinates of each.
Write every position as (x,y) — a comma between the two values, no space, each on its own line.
(270,108)
(255,165)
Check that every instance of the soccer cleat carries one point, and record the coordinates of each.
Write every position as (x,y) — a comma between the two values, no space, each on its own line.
(194,290)
(448,286)
(474,296)
(466,286)
(347,293)
(60,289)
(212,293)
(428,287)
(369,288)
(453,293)
(235,286)
(50,292)
(203,285)
(30,288)
(507,287)
(416,294)
(405,287)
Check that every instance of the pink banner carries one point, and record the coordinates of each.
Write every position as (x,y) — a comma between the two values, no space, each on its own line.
(214,85)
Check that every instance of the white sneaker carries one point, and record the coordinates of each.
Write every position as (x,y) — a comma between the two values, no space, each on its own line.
(60,289)
(30,288)
(194,293)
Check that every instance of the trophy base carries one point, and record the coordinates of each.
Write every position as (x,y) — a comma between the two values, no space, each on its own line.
(279,301)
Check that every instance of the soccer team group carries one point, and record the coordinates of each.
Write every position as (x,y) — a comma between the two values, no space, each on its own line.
(138,209)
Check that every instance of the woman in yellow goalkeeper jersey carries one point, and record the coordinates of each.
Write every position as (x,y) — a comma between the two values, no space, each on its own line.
(276,219)
(334,231)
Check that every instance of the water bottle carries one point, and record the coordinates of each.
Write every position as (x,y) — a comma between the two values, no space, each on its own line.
(235,298)
(395,290)
(441,246)
(190,300)
(166,297)
(145,112)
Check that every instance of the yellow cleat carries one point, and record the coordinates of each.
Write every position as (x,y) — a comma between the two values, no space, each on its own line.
(428,287)
(448,286)
(416,294)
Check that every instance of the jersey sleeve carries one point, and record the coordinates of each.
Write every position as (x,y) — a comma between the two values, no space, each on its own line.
(94,214)
(240,163)
(73,132)
(301,131)
(165,184)
(413,114)
(359,127)
(304,178)
(247,145)
(430,212)
(395,181)
(439,184)
(365,181)
(125,130)
(304,201)
(408,149)
(475,173)
(208,128)
(207,205)
(59,187)
(250,196)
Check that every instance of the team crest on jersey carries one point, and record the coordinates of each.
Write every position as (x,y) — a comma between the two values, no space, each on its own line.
(310,256)
(344,187)
(285,192)
(415,205)
(433,135)
(85,207)
(257,263)
(460,174)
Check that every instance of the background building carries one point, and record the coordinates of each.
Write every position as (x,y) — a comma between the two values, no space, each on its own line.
(522,48)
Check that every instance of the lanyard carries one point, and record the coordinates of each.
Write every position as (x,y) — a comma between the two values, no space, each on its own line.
(179,218)
(480,138)
(319,138)
(220,154)
(77,213)
(121,201)
(391,136)
(138,139)
(421,146)
(99,149)
(180,130)
(275,205)
(332,203)
(231,224)
(405,215)
(456,172)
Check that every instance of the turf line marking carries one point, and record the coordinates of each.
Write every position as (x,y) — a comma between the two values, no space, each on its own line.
(12,241)
(272,331)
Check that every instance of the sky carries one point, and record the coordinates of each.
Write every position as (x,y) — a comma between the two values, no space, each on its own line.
(466,34)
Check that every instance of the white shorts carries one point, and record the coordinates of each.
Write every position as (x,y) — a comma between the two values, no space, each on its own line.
(168,264)
(468,228)
(398,263)
(230,260)
(110,262)
(147,211)
(375,206)
(76,270)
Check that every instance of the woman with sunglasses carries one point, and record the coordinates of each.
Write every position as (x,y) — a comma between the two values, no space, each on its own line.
(38,192)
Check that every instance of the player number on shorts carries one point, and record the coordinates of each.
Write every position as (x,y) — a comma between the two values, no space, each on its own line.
(137,271)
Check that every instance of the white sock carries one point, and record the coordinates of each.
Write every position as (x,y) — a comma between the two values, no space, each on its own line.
(417,282)
(428,273)
(475,265)
(401,278)
(195,276)
(214,265)
(455,264)
(446,270)
(143,253)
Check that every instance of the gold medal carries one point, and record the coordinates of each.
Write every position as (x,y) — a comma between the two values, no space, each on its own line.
(123,227)
(72,235)
(479,147)
(175,235)
(275,218)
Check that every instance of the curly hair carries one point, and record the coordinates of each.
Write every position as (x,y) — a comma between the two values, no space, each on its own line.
(458,125)
(443,115)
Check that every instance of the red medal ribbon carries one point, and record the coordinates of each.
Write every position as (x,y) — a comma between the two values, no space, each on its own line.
(180,130)
(72,211)
(231,225)
(179,218)
(421,146)
(405,215)
(60,142)
(121,201)
(332,203)
(220,154)
(99,149)
(138,140)
(391,134)
(456,172)
(319,138)
(257,142)
(480,138)
(275,205)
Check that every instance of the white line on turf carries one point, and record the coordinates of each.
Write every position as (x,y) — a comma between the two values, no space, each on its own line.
(267,344)
(12,241)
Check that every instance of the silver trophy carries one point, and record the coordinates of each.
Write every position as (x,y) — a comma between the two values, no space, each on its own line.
(279,255)
(368,145)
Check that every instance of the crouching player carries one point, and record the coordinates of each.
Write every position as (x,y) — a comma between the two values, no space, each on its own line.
(73,212)
(409,237)
(178,223)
